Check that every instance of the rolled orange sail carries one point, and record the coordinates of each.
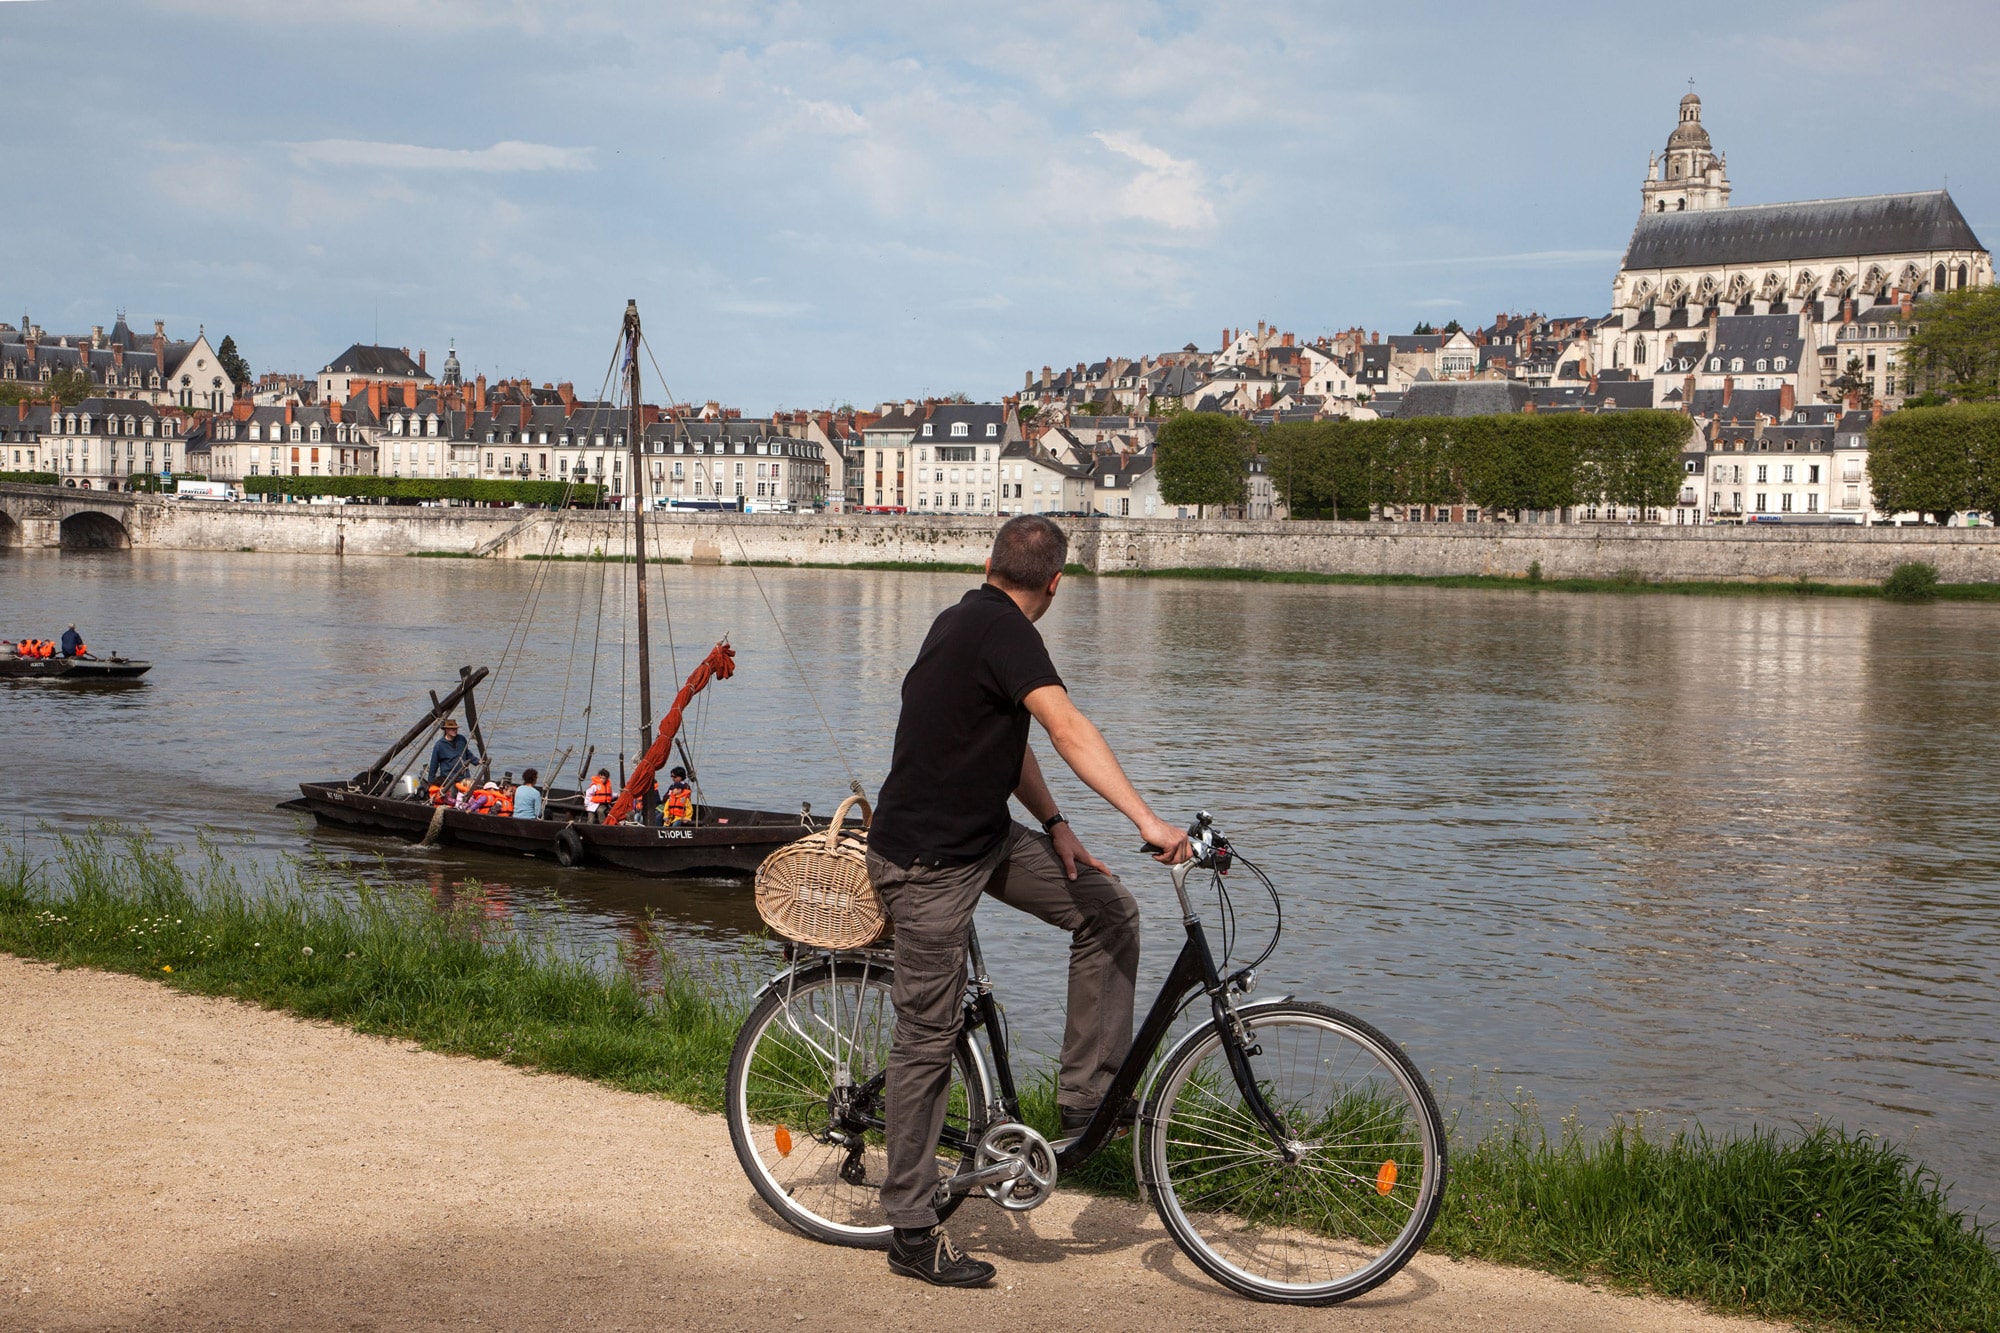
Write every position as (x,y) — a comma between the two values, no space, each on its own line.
(720,664)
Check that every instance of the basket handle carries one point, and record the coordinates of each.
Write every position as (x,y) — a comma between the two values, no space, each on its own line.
(833,826)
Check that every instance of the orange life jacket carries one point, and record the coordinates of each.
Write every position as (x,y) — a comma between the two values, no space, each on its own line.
(506,802)
(437,794)
(44,648)
(82,649)
(600,791)
(680,804)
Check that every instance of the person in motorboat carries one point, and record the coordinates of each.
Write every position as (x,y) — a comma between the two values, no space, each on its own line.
(598,795)
(942,838)
(527,796)
(450,757)
(679,805)
(72,644)
(485,801)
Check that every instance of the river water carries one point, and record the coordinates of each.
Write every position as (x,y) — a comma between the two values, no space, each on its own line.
(1720,859)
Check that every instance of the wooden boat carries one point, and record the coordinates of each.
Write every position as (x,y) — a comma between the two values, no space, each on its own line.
(73,670)
(719,841)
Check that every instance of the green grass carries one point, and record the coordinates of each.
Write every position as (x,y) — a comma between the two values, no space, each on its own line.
(1831,1229)
(599,558)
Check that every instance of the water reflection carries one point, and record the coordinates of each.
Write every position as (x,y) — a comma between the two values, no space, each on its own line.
(1727,858)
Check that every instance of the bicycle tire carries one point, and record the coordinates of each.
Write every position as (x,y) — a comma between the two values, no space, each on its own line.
(1346,1215)
(781,1093)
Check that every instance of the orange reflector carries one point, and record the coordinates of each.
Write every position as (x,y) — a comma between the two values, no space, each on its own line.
(1385,1179)
(784,1139)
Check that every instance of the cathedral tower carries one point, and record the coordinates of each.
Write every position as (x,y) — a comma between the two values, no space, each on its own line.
(1692,175)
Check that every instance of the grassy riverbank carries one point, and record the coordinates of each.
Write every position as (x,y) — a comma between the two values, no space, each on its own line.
(1824,1227)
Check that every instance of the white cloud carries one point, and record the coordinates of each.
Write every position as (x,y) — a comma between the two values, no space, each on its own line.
(509,155)
(1168,191)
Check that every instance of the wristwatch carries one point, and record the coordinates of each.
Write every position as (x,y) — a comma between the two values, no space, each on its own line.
(1049,824)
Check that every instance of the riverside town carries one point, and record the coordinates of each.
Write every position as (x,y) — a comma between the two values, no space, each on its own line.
(785,665)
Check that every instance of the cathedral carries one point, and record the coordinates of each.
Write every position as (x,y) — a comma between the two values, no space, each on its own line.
(1705,287)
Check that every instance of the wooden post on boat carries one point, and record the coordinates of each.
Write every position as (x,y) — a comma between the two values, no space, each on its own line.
(467,679)
(472,725)
(637,485)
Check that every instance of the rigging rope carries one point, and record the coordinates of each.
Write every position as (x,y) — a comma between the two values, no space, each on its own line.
(783,637)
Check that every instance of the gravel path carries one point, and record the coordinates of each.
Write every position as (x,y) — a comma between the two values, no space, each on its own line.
(169,1161)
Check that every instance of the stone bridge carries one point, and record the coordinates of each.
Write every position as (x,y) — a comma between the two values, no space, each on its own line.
(74,520)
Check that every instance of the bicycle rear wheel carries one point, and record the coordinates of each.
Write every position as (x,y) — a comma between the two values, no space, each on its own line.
(805,1101)
(1367,1176)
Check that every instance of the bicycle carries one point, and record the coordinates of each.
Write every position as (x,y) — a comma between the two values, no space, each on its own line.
(1293,1152)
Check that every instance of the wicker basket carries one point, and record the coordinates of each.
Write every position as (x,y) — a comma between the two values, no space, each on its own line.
(816,890)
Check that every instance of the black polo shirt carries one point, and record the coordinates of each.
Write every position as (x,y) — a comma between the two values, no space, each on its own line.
(963,729)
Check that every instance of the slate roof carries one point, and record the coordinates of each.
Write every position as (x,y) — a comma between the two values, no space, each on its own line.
(1744,404)
(1755,337)
(1816,229)
(389,362)
(1464,398)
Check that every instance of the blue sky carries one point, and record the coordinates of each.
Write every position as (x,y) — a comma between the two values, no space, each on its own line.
(829,203)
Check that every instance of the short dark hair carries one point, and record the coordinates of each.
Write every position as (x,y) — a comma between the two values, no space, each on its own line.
(528,775)
(1028,551)
(677,772)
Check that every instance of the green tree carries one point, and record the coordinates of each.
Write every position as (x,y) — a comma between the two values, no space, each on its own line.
(233,364)
(1028,412)
(70,387)
(1200,457)
(1936,460)
(1451,328)
(1954,345)
(1423,326)
(1086,409)
(1854,380)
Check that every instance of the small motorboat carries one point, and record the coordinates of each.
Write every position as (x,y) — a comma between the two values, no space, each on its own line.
(73,670)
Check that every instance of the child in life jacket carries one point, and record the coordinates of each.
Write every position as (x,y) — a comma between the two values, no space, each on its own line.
(679,805)
(598,796)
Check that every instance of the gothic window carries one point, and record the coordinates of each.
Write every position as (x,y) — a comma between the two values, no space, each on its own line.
(1939,284)
(1962,275)
(1639,351)
(1680,205)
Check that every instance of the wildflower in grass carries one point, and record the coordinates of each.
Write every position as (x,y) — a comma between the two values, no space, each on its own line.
(307,951)
(166,967)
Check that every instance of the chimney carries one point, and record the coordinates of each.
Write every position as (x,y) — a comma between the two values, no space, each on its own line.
(1288,339)
(566,392)
(333,413)
(1788,400)
(1728,389)
(410,396)
(479,394)
(1593,384)
(30,337)
(423,362)
(1875,411)
(288,412)
(118,355)
(375,403)
(1853,400)
(96,336)
(1687,394)
(1027,380)
(160,348)
(1226,340)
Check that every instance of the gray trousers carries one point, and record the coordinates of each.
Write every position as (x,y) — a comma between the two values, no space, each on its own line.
(932,909)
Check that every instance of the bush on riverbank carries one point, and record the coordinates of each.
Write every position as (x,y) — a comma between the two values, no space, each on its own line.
(551,494)
(1824,1226)
(1911,581)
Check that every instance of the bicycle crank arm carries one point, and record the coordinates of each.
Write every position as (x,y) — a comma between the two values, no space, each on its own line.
(965,1182)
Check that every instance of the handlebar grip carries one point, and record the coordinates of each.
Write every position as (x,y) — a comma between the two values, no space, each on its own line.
(1148,849)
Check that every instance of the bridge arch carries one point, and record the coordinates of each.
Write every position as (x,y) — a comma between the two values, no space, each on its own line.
(90,530)
(10,531)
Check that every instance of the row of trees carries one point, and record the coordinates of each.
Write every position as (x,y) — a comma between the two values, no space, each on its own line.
(1955,348)
(1936,461)
(549,493)
(1348,469)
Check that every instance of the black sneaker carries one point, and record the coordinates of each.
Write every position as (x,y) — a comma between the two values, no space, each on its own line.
(936,1260)
(1076,1118)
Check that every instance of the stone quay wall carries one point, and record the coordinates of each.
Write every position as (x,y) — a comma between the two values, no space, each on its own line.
(1758,552)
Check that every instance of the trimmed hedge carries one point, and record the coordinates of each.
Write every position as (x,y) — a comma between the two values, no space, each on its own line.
(32,478)
(548,493)
(1509,463)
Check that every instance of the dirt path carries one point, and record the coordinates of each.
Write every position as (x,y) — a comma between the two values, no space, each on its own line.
(168,1161)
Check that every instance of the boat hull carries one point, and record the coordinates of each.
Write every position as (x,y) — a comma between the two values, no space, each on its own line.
(73,671)
(726,843)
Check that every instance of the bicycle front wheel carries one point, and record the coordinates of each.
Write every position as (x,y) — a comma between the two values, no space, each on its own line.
(806,1103)
(1366,1149)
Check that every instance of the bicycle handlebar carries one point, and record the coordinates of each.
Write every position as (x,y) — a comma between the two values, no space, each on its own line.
(1211,849)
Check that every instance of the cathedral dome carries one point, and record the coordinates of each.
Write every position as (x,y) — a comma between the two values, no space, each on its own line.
(1689,133)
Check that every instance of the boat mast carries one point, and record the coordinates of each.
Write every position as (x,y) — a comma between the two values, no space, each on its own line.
(636,434)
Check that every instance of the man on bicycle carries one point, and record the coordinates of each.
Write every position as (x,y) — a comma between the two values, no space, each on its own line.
(942,837)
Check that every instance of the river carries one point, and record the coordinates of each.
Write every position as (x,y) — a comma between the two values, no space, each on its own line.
(1708,858)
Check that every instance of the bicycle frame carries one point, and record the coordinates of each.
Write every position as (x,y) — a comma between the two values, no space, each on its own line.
(1194,970)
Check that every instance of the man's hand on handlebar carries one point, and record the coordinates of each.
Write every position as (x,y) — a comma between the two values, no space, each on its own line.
(1167,844)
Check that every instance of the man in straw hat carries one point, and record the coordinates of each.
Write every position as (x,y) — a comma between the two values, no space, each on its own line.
(450,757)
(942,837)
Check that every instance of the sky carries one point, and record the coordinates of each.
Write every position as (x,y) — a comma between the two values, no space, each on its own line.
(831,203)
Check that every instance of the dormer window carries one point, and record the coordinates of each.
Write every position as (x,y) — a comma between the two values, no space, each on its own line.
(254,431)
(959,430)
(1715,363)
(1760,363)
(1779,364)
(992,430)
(1736,363)
(314,435)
